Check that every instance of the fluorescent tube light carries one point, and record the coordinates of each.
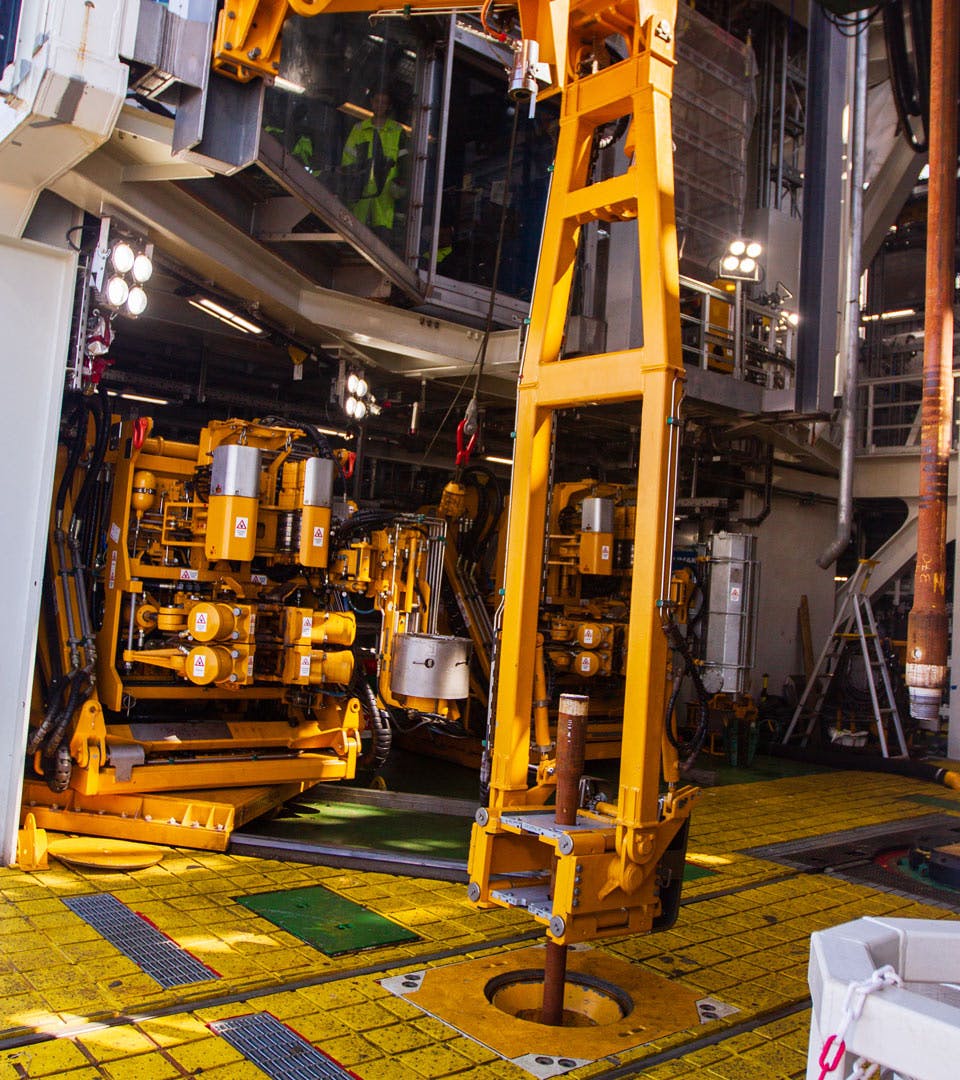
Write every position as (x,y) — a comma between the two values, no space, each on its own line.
(225,315)
(138,397)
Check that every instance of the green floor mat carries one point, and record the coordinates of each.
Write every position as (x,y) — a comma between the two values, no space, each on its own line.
(330,922)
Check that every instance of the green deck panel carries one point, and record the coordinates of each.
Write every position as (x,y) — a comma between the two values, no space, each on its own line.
(943,803)
(692,873)
(371,828)
(761,769)
(330,922)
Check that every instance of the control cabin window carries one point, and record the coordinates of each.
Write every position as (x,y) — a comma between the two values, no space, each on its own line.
(352,124)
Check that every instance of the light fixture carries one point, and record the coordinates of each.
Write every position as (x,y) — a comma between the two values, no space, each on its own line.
(136,301)
(225,315)
(355,397)
(117,291)
(118,269)
(793,318)
(142,268)
(123,257)
(498,460)
(900,313)
(355,408)
(138,397)
(739,261)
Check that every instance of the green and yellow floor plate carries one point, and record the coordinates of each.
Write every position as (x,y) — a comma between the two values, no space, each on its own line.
(78,1007)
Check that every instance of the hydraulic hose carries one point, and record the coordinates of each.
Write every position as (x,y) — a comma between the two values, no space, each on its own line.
(687,750)
(320,442)
(916,770)
(54,709)
(380,726)
(80,690)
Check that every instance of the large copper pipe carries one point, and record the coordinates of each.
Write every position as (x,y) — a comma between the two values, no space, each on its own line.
(571,751)
(927,627)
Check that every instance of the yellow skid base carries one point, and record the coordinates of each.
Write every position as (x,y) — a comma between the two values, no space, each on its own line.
(190,819)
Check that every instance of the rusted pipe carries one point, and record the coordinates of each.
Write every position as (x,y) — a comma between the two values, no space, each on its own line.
(554,984)
(571,751)
(927,626)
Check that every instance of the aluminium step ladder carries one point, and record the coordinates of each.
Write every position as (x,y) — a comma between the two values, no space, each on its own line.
(854,624)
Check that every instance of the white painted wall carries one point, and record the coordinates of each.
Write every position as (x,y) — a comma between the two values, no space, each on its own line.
(35,308)
(788,544)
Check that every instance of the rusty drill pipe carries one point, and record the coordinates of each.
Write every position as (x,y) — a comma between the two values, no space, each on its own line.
(926,672)
(554,984)
(571,751)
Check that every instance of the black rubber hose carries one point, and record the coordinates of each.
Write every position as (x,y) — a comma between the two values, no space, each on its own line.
(75,449)
(98,408)
(910,82)
(380,726)
(483,528)
(56,704)
(79,692)
(320,442)
(839,759)
(687,750)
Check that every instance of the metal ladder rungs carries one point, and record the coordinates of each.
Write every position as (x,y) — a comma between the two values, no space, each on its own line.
(854,622)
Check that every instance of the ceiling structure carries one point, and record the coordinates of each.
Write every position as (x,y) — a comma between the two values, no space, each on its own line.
(274,244)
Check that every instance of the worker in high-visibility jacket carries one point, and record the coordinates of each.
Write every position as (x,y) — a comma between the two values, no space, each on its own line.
(373,165)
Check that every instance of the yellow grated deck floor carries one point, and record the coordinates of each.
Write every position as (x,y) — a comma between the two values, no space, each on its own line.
(74,1007)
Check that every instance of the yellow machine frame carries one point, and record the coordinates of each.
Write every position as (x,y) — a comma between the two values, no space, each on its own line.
(619,868)
(607,882)
(611,872)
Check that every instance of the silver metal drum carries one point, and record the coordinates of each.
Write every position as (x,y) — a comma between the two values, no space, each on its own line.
(431,666)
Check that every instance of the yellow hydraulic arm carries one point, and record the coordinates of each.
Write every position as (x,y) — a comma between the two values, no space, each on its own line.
(619,868)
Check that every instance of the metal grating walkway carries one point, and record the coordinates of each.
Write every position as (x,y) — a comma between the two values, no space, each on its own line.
(158,955)
(276,1049)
